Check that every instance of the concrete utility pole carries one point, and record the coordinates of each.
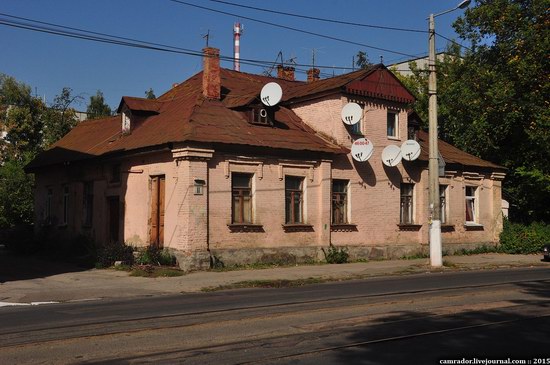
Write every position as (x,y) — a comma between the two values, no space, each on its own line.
(436,259)
(433,165)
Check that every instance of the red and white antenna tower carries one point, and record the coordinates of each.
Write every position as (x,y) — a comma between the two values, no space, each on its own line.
(237,31)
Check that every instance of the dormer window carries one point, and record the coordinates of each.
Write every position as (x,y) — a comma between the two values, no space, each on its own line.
(261,115)
(135,110)
(126,121)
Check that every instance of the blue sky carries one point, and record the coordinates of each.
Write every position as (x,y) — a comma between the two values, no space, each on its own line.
(48,63)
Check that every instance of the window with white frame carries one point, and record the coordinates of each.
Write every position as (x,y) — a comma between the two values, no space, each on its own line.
(393,124)
(443,203)
(126,121)
(294,200)
(241,188)
(340,201)
(407,216)
(471,214)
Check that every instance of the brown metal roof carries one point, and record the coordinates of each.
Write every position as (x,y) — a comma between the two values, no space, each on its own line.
(185,115)
(453,155)
(140,104)
(376,82)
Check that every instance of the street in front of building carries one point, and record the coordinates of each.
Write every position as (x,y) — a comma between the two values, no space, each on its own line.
(419,318)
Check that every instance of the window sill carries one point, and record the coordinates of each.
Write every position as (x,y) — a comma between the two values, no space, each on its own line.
(394,138)
(245,227)
(471,226)
(447,228)
(409,227)
(343,227)
(297,227)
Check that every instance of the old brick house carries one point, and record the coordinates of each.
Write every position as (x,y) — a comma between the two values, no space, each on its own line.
(207,170)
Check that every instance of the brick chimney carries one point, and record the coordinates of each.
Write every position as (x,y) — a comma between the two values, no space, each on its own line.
(285,72)
(211,79)
(313,74)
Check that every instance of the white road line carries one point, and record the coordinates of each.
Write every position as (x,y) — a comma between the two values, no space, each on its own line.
(12,304)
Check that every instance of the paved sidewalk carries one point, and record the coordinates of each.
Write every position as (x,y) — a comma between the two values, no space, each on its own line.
(66,283)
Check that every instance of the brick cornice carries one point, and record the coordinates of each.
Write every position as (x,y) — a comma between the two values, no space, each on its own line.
(190,153)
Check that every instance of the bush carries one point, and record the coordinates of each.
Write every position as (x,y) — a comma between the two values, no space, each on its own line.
(476,251)
(155,256)
(335,255)
(20,240)
(524,239)
(110,253)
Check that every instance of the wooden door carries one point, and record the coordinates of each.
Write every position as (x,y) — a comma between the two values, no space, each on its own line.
(157,211)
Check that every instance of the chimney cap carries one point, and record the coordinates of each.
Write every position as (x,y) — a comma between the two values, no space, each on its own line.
(285,72)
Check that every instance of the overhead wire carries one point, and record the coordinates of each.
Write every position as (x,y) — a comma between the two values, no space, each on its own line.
(453,41)
(83,34)
(321,19)
(291,28)
(334,21)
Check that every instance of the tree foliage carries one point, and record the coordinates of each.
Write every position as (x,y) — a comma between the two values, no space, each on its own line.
(494,98)
(61,116)
(28,127)
(97,107)
(362,60)
(20,119)
(150,94)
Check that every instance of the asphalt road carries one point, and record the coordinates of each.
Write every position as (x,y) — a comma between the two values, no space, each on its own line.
(417,319)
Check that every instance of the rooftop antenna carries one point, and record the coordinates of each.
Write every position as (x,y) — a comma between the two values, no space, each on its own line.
(313,53)
(207,37)
(267,72)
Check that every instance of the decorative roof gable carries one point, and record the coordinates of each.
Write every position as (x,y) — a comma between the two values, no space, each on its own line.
(380,84)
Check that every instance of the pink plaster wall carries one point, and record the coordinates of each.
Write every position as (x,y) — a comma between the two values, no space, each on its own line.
(198,222)
(269,203)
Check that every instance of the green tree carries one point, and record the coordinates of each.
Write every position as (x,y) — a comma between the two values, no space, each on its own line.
(498,97)
(60,118)
(28,127)
(16,195)
(97,107)
(150,94)
(362,60)
(20,119)
(493,98)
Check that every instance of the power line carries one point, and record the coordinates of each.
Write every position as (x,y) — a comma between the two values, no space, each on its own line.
(83,34)
(321,19)
(454,42)
(92,32)
(291,28)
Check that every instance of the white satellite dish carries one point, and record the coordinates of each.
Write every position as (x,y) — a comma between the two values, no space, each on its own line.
(271,94)
(391,155)
(351,113)
(410,150)
(362,149)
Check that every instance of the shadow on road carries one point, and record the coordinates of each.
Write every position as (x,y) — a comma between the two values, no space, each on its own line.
(517,331)
(15,267)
